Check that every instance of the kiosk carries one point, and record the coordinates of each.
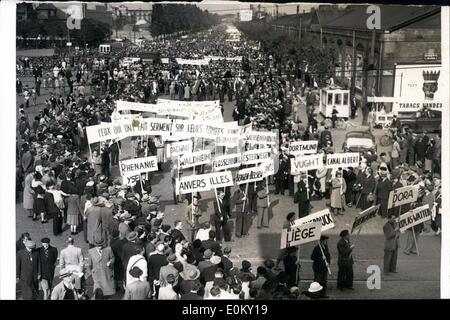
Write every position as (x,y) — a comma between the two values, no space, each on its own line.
(333,96)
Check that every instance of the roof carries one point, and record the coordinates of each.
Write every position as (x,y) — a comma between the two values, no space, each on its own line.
(46,6)
(393,17)
(294,20)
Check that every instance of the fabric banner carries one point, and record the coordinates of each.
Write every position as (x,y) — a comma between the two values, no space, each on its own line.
(165,60)
(401,196)
(189,160)
(305,163)
(193,110)
(133,167)
(105,131)
(364,217)
(261,137)
(414,217)
(254,174)
(300,234)
(302,147)
(204,182)
(215,58)
(323,216)
(343,160)
(256,156)
(177,148)
(227,161)
(193,62)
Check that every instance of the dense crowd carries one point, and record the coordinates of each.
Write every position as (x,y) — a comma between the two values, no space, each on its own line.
(132,249)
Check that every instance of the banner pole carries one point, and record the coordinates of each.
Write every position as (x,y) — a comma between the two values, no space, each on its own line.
(142,186)
(325,258)
(217,199)
(297,276)
(415,240)
(356,237)
(246,191)
(267,190)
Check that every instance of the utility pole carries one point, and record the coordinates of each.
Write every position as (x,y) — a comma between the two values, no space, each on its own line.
(299,24)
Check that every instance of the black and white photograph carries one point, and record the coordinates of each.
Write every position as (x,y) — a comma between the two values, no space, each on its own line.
(225,150)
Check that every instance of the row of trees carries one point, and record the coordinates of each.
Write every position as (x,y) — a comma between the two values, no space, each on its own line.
(284,49)
(54,29)
(171,18)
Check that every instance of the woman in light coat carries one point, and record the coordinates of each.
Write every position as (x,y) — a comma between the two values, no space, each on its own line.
(97,162)
(28,195)
(338,188)
(321,175)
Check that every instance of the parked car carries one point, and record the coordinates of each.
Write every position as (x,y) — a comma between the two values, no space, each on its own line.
(359,141)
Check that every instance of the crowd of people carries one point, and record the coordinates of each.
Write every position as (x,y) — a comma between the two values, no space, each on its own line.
(133,253)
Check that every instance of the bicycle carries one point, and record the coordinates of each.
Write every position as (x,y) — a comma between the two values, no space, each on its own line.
(387,138)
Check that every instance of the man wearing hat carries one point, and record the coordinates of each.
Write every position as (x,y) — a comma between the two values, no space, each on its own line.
(192,215)
(116,245)
(137,289)
(167,270)
(95,227)
(226,263)
(383,189)
(391,244)
(27,270)
(345,261)
(241,211)
(193,293)
(314,291)
(130,248)
(221,216)
(65,290)
(321,262)
(137,260)
(101,267)
(48,255)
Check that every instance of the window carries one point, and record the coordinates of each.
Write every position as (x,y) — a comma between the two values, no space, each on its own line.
(345,99)
(338,98)
(330,98)
(51,13)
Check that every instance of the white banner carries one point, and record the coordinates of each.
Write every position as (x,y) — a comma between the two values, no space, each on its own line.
(323,216)
(256,156)
(251,174)
(401,196)
(189,160)
(165,60)
(193,62)
(261,137)
(204,182)
(227,161)
(343,160)
(305,163)
(414,217)
(300,234)
(177,148)
(133,167)
(302,147)
(215,58)
(104,131)
(193,110)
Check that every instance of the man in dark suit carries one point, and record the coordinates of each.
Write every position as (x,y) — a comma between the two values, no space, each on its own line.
(27,270)
(221,215)
(321,262)
(302,197)
(117,248)
(193,294)
(47,263)
(145,187)
(345,261)
(240,199)
(225,264)
(154,263)
(280,176)
(391,244)
(384,187)
(212,244)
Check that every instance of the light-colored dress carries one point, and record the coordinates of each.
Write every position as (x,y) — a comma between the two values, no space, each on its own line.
(28,193)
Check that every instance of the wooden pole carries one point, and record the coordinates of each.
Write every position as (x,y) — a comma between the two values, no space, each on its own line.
(415,240)
(297,276)
(356,237)
(246,190)
(267,190)
(142,186)
(325,258)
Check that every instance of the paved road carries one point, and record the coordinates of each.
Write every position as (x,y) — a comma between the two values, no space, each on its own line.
(414,271)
